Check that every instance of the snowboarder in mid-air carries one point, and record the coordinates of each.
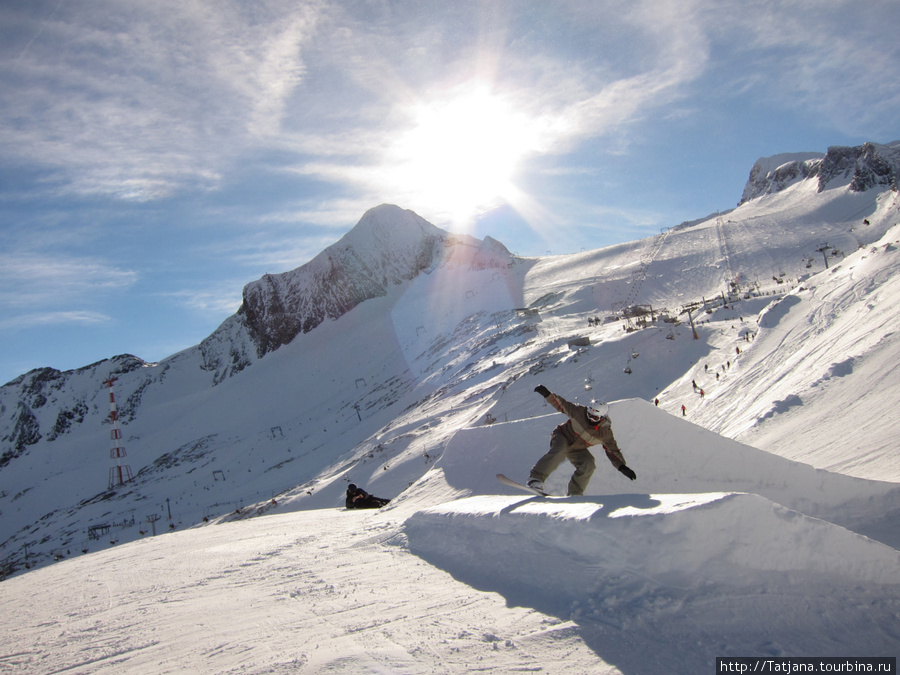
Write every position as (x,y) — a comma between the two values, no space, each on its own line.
(585,427)
(357,498)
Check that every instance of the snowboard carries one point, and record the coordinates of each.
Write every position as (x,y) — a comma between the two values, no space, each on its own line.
(509,481)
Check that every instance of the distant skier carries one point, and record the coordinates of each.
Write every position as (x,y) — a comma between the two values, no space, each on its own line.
(357,498)
(585,427)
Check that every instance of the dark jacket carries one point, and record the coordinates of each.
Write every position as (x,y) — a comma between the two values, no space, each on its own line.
(357,498)
(582,433)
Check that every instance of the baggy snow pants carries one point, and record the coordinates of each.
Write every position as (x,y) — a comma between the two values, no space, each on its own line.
(581,459)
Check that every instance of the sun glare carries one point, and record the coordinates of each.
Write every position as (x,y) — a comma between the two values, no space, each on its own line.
(462,152)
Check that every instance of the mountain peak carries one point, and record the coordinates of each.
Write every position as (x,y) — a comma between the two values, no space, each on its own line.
(387,227)
(388,246)
(860,168)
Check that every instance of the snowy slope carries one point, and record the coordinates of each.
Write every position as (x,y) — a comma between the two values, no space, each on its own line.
(735,539)
(630,581)
(829,347)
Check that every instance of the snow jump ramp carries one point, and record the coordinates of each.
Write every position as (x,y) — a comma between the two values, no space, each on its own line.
(673,456)
(721,528)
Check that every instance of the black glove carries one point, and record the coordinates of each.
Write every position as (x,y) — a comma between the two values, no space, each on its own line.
(542,390)
(628,473)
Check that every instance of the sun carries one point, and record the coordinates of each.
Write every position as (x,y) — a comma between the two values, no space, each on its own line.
(462,151)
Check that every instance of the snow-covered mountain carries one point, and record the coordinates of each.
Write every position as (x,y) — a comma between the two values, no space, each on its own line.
(388,246)
(175,408)
(862,168)
(403,358)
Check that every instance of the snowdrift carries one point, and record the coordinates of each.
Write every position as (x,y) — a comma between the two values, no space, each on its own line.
(671,455)
(730,545)
(637,545)
(685,470)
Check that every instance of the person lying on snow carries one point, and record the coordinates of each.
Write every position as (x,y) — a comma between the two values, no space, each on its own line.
(357,498)
(585,427)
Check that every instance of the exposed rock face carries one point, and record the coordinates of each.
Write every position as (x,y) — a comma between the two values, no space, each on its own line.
(774,174)
(42,393)
(867,166)
(861,168)
(25,432)
(388,246)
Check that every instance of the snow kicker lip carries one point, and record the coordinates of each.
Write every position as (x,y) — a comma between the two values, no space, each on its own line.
(729,541)
(663,566)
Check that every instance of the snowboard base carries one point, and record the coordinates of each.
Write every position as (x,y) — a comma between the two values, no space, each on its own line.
(509,481)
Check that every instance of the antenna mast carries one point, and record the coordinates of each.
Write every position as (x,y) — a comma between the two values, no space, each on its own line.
(119,472)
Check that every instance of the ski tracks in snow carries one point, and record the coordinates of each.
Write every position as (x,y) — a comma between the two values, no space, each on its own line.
(304,592)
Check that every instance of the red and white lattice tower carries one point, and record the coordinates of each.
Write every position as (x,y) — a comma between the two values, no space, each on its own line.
(120,472)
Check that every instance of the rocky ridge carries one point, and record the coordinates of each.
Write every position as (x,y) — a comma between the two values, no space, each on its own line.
(862,168)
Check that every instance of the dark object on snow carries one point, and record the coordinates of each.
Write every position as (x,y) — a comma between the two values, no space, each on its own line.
(357,498)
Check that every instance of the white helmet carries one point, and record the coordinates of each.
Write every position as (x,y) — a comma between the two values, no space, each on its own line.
(597,410)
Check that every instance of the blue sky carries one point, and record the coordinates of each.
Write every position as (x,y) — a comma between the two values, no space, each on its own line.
(157,156)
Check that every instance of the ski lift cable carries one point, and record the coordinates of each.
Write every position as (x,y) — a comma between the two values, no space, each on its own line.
(633,352)
(755,236)
(723,243)
(646,260)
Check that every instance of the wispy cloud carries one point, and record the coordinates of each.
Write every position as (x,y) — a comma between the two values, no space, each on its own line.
(29,280)
(138,100)
(213,301)
(141,100)
(835,61)
(280,68)
(47,319)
